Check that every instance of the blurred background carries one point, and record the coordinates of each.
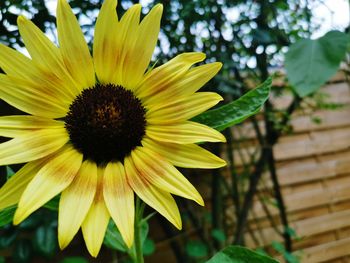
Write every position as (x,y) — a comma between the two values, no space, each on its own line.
(285,191)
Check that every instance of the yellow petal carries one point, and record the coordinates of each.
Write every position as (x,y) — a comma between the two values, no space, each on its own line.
(184,133)
(44,52)
(95,224)
(185,85)
(158,80)
(119,197)
(14,63)
(75,202)
(75,52)
(105,49)
(128,29)
(182,109)
(51,180)
(15,125)
(156,198)
(185,155)
(32,146)
(17,65)
(29,97)
(138,53)
(12,190)
(163,175)
(194,79)
(38,45)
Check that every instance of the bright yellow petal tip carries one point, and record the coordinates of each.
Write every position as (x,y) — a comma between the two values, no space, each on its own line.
(178,224)
(18,217)
(63,242)
(218,65)
(223,162)
(21,19)
(214,67)
(158,8)
(192,57)
(199,200)
(223,138)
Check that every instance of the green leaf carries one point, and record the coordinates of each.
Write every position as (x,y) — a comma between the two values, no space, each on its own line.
(45,240)
(9,172)
(310,63)
(278,246)
(6,215)
(74,260)
(2,259)
(218,235)
(148,247)
(144,231)
(236,254)
(114,240)
(238,110)
(53,203)
(23,251)
(261,251)
(196,249)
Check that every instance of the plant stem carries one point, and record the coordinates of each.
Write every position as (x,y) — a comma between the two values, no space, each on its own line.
(217,200)
(138,222)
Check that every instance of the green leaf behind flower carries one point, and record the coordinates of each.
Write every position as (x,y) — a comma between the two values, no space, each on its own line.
(53,203)
(114,240)
(238,110)
(236,254)
(6,215)
(9,172)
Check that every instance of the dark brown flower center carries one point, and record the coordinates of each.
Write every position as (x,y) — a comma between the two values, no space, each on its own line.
(105,123)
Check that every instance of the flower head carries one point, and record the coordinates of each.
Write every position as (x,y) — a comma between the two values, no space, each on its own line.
(100,128)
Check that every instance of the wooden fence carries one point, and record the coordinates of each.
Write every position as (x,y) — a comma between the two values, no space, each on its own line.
(313,166)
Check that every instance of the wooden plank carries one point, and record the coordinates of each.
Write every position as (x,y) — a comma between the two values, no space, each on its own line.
(265,223)
(313,212)
(314,143)
(328,251)
(340,75)
(307,199)
(302,122)
(309,226)
(329,119)
(298,146)
(314,168)
(314,240)
(337,93)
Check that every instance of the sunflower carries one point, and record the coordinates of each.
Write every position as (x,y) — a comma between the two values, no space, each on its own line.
(100,128)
